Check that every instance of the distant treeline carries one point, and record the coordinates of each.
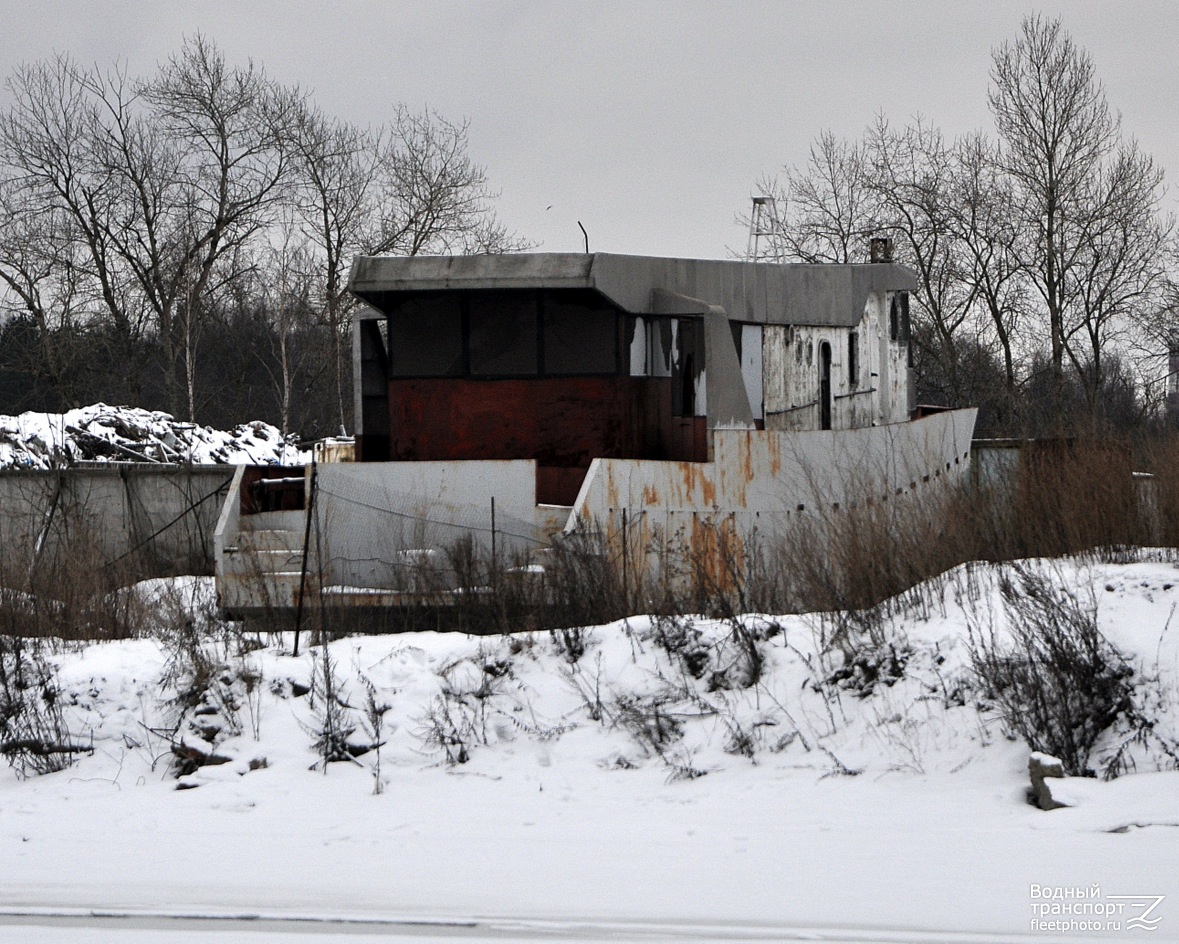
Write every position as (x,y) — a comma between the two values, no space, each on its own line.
(182,240)
(237,373)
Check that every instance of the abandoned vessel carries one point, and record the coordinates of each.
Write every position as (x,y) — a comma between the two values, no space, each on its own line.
(514,398)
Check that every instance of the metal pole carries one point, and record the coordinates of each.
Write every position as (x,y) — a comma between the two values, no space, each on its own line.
(306,544)
(494,561)
(625,566)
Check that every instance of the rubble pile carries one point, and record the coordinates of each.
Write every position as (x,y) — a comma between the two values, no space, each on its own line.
(101,433)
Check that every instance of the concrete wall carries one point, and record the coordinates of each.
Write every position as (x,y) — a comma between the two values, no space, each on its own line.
(388,526)
(371,514)
(153,520)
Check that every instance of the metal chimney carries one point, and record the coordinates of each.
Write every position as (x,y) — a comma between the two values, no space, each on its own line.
(880,249)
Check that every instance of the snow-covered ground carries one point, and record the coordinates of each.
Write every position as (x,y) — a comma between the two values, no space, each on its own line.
(675,780)
(127,434)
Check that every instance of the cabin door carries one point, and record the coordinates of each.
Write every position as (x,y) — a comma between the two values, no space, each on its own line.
(824,385)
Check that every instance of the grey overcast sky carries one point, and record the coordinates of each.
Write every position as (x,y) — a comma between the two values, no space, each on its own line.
(647,120)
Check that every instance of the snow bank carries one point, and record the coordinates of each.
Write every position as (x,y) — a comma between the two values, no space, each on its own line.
(650,771)
(101,433)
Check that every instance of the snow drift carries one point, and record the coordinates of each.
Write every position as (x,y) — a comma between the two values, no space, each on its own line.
(758,774)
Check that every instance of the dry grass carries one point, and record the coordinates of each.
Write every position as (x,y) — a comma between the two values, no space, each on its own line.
(1068,498)
(68,590)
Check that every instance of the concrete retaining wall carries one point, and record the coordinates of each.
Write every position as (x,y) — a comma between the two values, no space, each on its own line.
(369,513)
(153,520)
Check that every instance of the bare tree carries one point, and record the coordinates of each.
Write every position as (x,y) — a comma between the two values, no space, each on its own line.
(1044,252)
(39,272)
(902,184)
(1056,131)
(336,166)
(910,174)
(49,144)
(1122,265)
(410,188)
(431,197)
(827,207)
(159,182)
(146,207)
(286,277)
(229,127)
(981,214)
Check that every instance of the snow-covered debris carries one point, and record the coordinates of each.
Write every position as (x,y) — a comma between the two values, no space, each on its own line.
(101,433)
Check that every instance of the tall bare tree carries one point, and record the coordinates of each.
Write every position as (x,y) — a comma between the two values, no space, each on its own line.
(1056,131)
(406,189)
(285,281)
(981,214)
(336,167)
(1122,265)
(1045,251)
(228,127)
(51,147)
(42,284)
(159,182)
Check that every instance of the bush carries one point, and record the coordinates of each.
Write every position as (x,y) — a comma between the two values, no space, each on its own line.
(216,692)
(1058,683)
(34,737)
(333,721)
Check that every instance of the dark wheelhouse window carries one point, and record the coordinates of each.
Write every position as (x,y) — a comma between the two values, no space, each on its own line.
(426,336)
(580,336)
(503,334)
(510,333)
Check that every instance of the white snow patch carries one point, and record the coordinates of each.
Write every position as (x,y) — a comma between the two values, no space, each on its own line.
(127,434)
(898,804)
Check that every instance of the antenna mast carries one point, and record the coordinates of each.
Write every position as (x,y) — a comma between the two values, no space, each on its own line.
(763,222)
